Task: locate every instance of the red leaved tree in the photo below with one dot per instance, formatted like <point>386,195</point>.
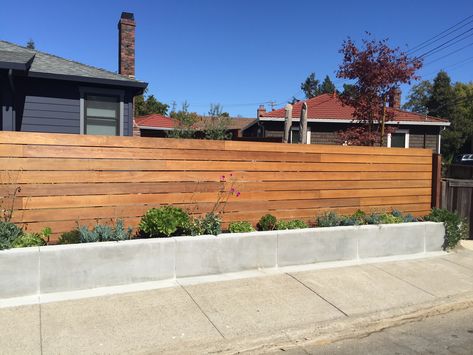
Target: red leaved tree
<point>378,70</point>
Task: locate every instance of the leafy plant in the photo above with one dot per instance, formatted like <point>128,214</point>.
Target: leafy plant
<point>29,240</point>
<point>240,227</point>
<point>328,219</point>
<point>211,224</point>
<point>72,237</point>
<point>456,228</point>
<point>267,223</point>
<point>293,224</point>
<point>165,221</point>
<point>9,232</point>
<point>104,233</point>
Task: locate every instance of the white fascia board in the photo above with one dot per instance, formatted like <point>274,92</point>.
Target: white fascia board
<point>156,128</point>
<point>331,120</point>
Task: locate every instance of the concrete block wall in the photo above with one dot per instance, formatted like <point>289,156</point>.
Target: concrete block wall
<point>60,268</point>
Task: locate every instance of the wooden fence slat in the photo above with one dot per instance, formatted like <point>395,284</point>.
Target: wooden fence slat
<point>173,165</point>
<point>106,141</point>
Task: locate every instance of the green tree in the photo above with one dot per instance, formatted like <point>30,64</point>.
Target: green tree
<point>185,123</point>
<point>217,124</point>
<point>146,105</point>
<point>442,99</point>
<point>327,86</point>
<point>460,130</point>
<point>30,44</point>
<point>310,86</point>
<point>419,97</point>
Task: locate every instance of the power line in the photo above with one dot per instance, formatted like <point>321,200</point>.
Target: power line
<point>442,46</point>
<point>435,38</point>
<point>449,54</point>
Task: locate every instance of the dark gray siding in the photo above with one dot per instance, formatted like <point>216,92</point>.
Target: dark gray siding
<point>51,114</point>
<point>53,106</point>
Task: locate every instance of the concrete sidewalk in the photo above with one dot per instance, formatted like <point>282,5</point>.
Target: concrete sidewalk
<point>251,314</point>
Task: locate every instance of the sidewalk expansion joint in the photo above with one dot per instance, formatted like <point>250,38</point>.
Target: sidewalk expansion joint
<point>313,291</point>
<point>405,281</point>
<point>202,311</point>
<point>457,264</point>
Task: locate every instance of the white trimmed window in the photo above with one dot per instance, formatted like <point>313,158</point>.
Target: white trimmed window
<point>101,112</point>
<point>295,134</point>
<point>399,139</point>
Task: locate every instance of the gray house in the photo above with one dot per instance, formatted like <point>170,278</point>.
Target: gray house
<point>41,92</point>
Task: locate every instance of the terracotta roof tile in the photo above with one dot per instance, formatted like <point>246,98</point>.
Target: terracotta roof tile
<point>330,107</point>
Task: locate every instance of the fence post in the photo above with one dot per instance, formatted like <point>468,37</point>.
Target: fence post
<point>436,180</point>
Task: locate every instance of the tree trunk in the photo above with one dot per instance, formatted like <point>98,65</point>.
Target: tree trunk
<point>287,123</point>
<point>303,125</point>
<point>383,120</point>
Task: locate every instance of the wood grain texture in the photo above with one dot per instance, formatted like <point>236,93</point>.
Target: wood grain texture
<point>71,179</point>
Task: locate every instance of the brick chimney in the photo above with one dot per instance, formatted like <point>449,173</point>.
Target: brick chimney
<point>260,111</point>
<point>394,98</point>
<point>126,45</point>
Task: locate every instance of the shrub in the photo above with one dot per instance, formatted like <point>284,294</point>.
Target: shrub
<point>9,232</point>
<point>72,237</point>
<point>211,224</point>
<point>384,218</point>
<point>29,240</point>
<point>267,223</point>
<point>165,221</point>
<point>293,224</point>
<point>456,228</point>
<point>328,219</point>
<point>104,233</point>
<point>240,227</point>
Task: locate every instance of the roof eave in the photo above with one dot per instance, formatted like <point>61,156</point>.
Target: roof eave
<point>138,85</point>
<point>335,120</point>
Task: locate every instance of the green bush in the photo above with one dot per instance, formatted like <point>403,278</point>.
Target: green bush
<point>293,224</point>
<point>328,219</point>
<point>29,240</point>
<point>72,237</point>
<point>211,224</point>
<point>456,228</point>
<point>240,227</point>
<point>104,233</point>
<point>9,232</point>
<point>165,221</point>
<point>267,223</point>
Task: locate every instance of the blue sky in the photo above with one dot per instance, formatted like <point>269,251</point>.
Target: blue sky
<point>236,53</point>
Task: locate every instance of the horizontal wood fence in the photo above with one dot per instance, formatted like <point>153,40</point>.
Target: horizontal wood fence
<point>70,179</point>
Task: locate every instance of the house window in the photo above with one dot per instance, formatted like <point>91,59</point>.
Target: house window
<point>399,139</point>
<point>102,115</point>
<point>295,134</point>
<point>101,112</point>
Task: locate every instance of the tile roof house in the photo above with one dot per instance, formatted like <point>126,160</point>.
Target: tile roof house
<point>326,115</point>
<point>155,125</point>
<point>41,92</point>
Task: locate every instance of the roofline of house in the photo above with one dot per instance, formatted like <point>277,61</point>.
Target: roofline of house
<point>140,85</point>
<point>155,128</point>
<point>334,120</point>
<point>5,64</point>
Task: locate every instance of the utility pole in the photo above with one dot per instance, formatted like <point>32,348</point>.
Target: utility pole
<point>272,104</point>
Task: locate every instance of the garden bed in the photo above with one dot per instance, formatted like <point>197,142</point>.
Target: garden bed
<point>59,268</point>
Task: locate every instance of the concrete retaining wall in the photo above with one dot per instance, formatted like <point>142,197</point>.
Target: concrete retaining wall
<point>29,271</point>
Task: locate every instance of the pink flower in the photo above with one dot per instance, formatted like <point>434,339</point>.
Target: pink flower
<point>232,190</point>
<point>238,193</point>
<point>222,178</point>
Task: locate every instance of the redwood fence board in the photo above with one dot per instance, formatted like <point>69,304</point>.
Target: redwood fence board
<point>71,179</point>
